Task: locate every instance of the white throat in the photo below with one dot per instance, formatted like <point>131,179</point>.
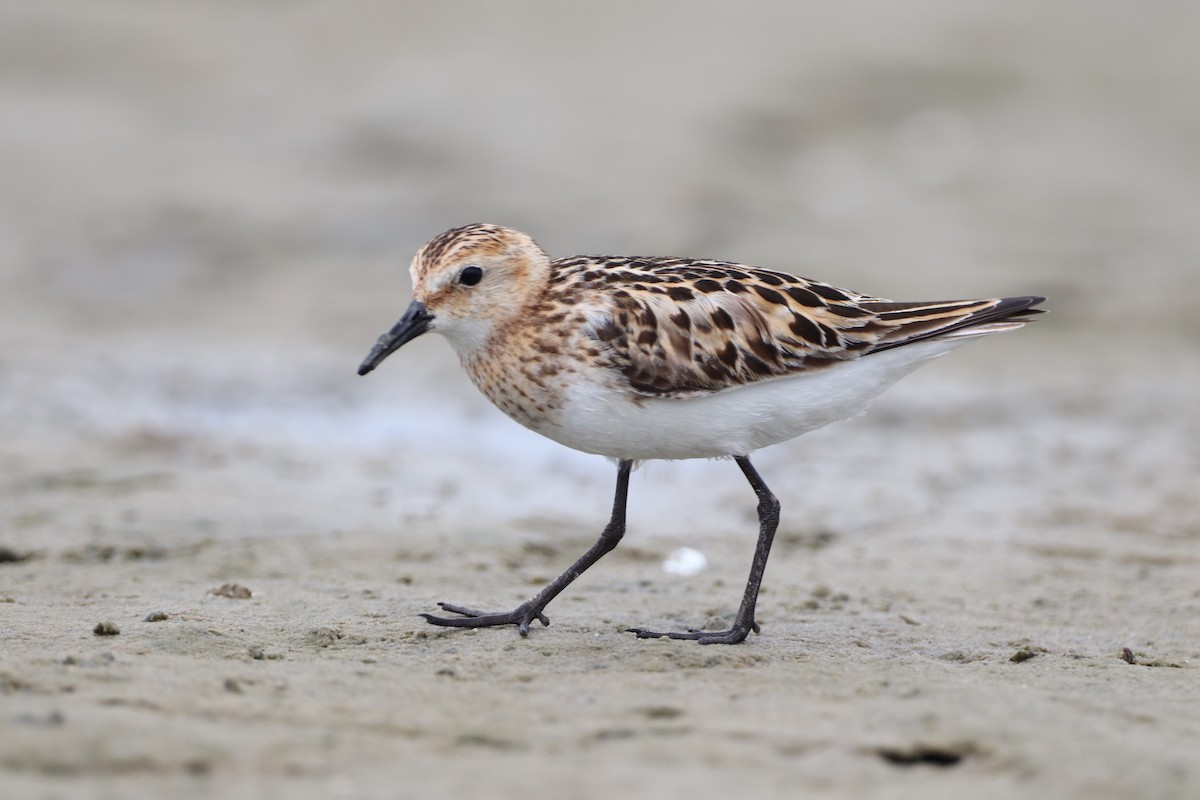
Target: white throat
<point>466,336</point>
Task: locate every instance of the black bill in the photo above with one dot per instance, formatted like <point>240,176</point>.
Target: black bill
<point>414,322</point>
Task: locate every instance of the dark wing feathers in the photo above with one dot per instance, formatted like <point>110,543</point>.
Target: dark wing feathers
<point>682,327</point>
<point>951,316</point>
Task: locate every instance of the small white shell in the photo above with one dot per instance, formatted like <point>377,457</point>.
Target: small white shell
<point>685,561</point>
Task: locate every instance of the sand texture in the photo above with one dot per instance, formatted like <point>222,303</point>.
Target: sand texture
<point>215,538</point>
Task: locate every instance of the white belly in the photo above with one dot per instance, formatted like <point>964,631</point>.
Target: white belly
<point>738,421</point>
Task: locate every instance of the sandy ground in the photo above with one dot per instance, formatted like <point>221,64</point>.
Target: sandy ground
<point>205,215</point>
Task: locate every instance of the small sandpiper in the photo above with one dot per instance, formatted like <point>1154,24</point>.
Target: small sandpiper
<point>643,358</point>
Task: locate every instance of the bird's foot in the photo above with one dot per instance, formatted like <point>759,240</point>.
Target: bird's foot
<point>521,616</point>
<point>733,635</point>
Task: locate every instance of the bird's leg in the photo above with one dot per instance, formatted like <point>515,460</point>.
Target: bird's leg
<point>531,609</point>
<point>743,623</point>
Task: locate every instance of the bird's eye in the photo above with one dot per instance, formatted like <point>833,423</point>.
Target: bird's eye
<point>470,275</point>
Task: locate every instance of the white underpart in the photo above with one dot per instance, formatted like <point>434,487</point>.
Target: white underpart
<point>466,335</point>
<point>598,419</point>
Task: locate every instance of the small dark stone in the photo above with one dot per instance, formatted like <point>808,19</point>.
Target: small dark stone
<point>10,556</point>
<point>233,590</point>
<point>923,755</point>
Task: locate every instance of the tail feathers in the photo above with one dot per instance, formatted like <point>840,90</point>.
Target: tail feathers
<point>915,322</point>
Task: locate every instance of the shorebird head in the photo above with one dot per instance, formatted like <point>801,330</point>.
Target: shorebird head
<point>467,282</point>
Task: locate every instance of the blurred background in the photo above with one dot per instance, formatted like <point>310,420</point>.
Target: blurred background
<point>207,211</point>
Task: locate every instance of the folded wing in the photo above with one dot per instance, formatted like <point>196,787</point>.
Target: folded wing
<point>685,328</point>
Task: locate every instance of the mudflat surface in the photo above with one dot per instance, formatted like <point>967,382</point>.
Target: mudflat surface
<point>205,217</point>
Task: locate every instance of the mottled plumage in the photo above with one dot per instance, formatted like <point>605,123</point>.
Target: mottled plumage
<point>639,358</point>
<point>684,327</point>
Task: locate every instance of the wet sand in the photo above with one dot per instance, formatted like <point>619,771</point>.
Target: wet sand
<point>988,585</point>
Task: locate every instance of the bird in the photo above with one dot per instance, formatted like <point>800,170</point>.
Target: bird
<point>640,358</point>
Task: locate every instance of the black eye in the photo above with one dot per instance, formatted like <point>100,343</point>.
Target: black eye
<point>470,275</point>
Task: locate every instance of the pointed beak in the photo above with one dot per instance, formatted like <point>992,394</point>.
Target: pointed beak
<point>414,322</point>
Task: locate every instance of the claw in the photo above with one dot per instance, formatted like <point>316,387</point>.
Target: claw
<point>732,636</point>
<point>472,618</point>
